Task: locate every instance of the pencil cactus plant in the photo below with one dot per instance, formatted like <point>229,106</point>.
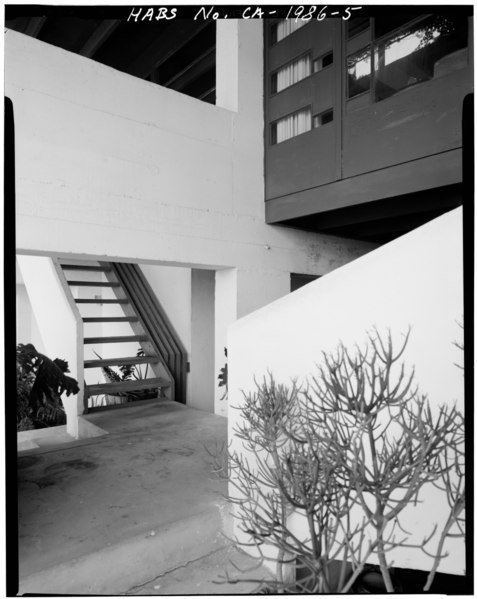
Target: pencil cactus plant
<point>342,456</point>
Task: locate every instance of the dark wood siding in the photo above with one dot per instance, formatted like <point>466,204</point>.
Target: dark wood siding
<point>308,160</point>
<point>416,122</point>
<point>363,155</point>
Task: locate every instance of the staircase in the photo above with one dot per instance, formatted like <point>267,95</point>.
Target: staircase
<point>120,315</point>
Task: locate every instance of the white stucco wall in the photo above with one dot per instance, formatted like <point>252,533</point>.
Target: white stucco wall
<point>172,287</point>
<point>115,168</point>
<point>416,280</point>
<point>58,323</point>
<point>26,326</point>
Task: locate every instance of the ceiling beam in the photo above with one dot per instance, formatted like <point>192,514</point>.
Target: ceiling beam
<point>34,26</point>
<point>206,93</point>
<point>174,38</point>
<point>98,37</point>
<point>193,70</point>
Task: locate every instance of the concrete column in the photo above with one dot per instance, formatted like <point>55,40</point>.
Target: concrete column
<point>239,72</point>
<point>225,314</point>
<point>226,66</point>
<point>201,375</point>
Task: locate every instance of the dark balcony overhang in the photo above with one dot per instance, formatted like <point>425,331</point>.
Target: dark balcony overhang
<point>381,220</point>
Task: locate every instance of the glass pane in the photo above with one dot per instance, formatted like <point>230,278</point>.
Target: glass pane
<point>273,83</point>
<point>286,27</point>
<point>359,72</point>
<point>411,55</point>
<point>327,117</point>
<point>273,33</point>
<point>324,61</point>
<point>323,118</point>
<point>383,25</point>
<point>291,125</point>
<point>356,25</point>
<point>327,59</point>
<point>293,72</point>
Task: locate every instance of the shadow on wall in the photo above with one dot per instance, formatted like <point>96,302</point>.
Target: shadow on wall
<point>415,281</point>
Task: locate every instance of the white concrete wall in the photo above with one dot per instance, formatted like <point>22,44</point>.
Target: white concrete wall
<point>27,330</point>
<point>59,326</point>
<point>172,287</point>
<point>415,280</point>
<point>27,327</point>
<point>111,167</point>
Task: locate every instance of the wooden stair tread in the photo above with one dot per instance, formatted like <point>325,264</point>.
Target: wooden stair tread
<point>110,319</point>
<point>88,267</point>
<point>115,339</point>
<point>92,283</point>
<point>121,361</point>
<point>101,301</point>
<point>125,386</point>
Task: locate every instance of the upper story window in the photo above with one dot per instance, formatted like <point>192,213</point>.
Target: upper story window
<point>284,28</point>
<point>359,72</point>
<point>297,123</point>
<point>356,25</point>
<point>322,62</point>
<point>323,118</point>
<point>403,55</point>
<point>291,125</point>
<point>291,73</point>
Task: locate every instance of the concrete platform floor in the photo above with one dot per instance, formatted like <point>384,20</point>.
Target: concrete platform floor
<point>135,509</point>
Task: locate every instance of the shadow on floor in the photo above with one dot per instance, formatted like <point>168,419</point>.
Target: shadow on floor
<point>109,514</point>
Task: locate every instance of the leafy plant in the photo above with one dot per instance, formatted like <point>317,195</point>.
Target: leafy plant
<point>343,456</point>
<point>126,372</point>
<point>136,371</point>
<point>40,384</point>
<point>223,378</point>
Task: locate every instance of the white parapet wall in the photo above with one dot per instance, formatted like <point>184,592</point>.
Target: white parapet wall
<point>415,281</point>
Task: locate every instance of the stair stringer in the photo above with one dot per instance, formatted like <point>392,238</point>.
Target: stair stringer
<point>82,396</point>
<point>160,368</point>
<point>155,323</point>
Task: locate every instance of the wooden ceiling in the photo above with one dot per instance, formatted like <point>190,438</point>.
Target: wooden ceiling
<point>179,54</point>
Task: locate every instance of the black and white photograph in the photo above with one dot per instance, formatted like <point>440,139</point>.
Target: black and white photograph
<point>242,244</point>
